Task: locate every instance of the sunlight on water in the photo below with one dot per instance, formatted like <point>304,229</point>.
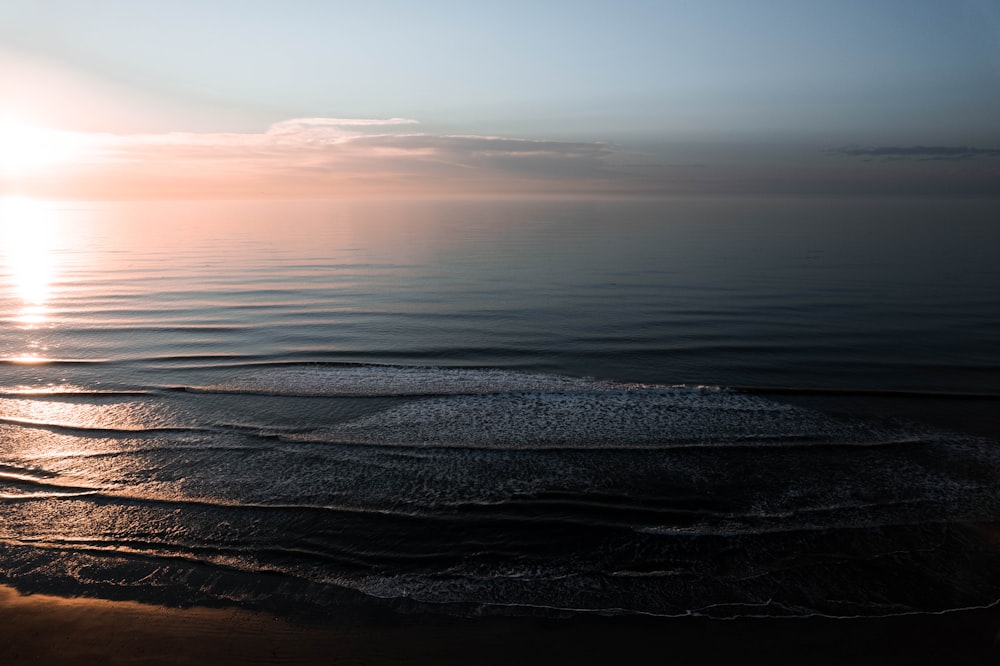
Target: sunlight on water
<point>121,417</point>
<point>28,233</point>
<point>28,359</point>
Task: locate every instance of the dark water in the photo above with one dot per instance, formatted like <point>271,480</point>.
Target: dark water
<point>501,406</point>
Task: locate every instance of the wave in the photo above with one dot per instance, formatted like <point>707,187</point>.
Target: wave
<point>608,417</point>
<point>659,444</point>
<point>677,516</point>
<point>386,381</point>
<point>69,391</point>
<point>499,566</point>
<point>496,491</point>
<point>865,392</point>
<point>342,379</point>
<point>21,484</point>
<point>136,430</point>
<point>44,495</point>
<point>32,360</point>
<point>266,375</point>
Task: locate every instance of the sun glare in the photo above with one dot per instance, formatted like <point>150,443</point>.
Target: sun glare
<point>26,148</point>
<point>26,230</point>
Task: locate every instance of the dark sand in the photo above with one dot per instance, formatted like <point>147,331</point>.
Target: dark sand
<point>40,629</point>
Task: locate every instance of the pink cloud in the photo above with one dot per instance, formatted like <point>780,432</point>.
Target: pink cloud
<point>328,156</point>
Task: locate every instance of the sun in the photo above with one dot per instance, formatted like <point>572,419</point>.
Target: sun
<point>25,148</point>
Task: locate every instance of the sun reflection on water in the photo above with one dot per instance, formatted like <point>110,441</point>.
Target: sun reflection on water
<point>28,233</point>
<point>129,416</point>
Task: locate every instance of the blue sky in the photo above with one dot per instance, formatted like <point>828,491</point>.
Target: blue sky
<point>681,81</point>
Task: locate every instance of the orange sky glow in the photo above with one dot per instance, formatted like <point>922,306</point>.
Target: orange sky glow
<point>354,157</point>
<point>299,157</point>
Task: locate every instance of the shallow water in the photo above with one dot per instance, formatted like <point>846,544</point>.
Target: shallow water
<point>499,406</point>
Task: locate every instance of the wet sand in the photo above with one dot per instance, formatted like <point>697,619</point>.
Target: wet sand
<point>40,629</point>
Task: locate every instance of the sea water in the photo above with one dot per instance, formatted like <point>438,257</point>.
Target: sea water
<point>502,406</point>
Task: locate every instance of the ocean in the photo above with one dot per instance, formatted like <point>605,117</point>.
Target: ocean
<point>715,407</point>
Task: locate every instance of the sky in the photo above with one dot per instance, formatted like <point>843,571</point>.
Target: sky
<point>190,99</point>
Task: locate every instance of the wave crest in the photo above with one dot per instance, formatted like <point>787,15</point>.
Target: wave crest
<point>383,380</point>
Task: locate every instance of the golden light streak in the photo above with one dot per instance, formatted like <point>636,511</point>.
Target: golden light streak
<point>28,360</point>
<point>27,233</point>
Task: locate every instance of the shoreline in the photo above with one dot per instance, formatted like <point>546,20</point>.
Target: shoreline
<point>43,629</point>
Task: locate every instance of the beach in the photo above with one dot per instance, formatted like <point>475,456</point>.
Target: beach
<point>40,629</point>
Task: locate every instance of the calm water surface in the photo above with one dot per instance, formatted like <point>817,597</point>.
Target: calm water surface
<point>822,294</point>
<point>307,404</point>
